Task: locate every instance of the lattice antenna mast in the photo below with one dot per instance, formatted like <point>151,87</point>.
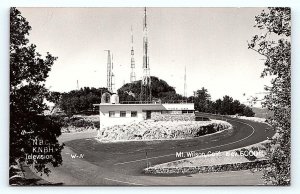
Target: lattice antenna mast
<point>112,75</point>
<point>185,87</point>
<point>146,79</point>
<point>132,64</point>
<point>77,85</point>
<point>109,72</point>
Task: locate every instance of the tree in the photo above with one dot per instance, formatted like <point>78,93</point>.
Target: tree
<point>217,106</point>
<point>202,100</point>
<point>53,97</point>
<point>160,89</point>
<point>81,101</point>
<point>274,44</point>
<point>248,112</point>
<point>28,126</point>
<point>226,106</point>
<point>237,108</point>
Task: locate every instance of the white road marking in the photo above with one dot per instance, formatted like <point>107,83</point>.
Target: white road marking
<point>253,130</point>
<point>123,182</point>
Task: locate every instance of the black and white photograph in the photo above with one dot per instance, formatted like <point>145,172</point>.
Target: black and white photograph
<point>150,96</point>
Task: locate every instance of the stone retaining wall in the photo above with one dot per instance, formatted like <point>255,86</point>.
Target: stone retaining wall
<point>173,117</point>
<point>206,169</point>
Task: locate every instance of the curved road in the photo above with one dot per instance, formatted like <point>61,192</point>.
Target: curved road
<point>122,163</point>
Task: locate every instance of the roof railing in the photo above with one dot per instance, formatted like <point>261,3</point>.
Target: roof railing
<point>156,102</point>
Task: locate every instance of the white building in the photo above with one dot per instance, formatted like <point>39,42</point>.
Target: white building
<point>113,113</point>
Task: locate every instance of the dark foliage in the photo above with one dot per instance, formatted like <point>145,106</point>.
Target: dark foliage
<point>225,106</point>
<point>76,122</point>
<point>53,97</point>
<point>273,43</point>
<point>28,71</point>
<point>160,89</point>
<point>81,101</point>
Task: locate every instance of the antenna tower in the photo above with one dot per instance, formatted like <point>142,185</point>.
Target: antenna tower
<point>146,79</point>
<point>109,72</point>
<point>184,93</point>
<point>132,64</point>
<point>112,74</point>
<point>77,85</point>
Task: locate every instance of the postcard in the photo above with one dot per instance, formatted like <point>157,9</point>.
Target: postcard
<point>150,96</point>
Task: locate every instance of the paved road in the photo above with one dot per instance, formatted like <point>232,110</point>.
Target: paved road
<point>122,163</point>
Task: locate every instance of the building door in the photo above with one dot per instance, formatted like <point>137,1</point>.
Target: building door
<point>148,114</point>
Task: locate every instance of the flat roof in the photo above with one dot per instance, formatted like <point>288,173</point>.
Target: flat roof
<point>155,104</point>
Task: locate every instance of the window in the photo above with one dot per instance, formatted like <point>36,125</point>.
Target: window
<point>122,113</point>
<point>190,111</point>
<point>184,111</point>
<point>133,113</point>
<point>174,112</point>
<point>111,113</point>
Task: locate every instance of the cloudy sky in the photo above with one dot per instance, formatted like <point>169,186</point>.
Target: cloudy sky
<point>210,42</point>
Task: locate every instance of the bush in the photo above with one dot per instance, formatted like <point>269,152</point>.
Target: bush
<point>76,123</point>
<point>248,112</point>
<point>205,130</point>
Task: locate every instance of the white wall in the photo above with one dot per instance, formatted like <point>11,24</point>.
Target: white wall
<point>106,121</point>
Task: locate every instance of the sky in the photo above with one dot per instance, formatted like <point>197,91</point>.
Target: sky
<point>210,42</point>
